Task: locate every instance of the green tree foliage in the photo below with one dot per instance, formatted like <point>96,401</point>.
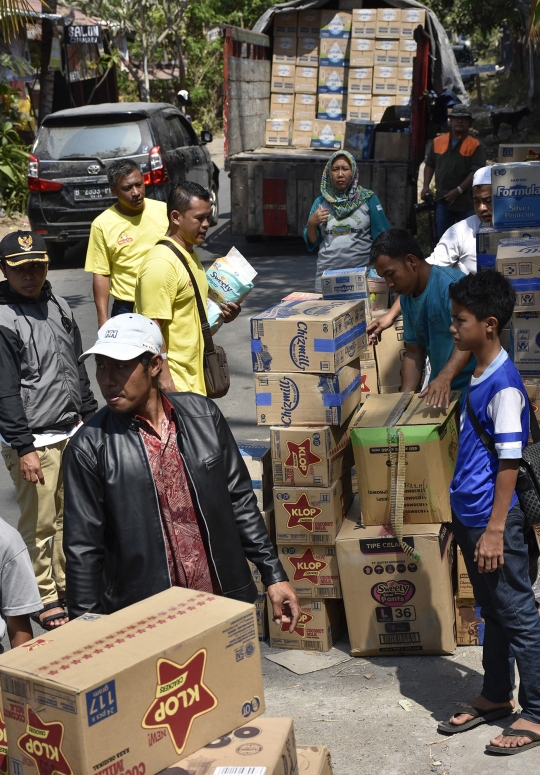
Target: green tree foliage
<point>481,21</point>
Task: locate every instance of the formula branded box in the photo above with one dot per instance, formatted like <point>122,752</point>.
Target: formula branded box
<point>284,49</point>
<point>307,52</point>
<point>267,744</point>
<point>520,152</point>
<point>333,80</point>
<point>311,515</point>
<point>379,104</point>
<point>314,760</point>
<point>360,80</point>
<point>388,23</point>
<point>512,249</point>
<point>516,194</point>
<point>334,52</point>
<point>302,132</point>
<point>368,376</point>
<point>488,238</point>
<point>285,22</point>
<point>307,399</point>
<point>464,586</point>
<point>395,605</point>
<point>327,134</point>
<point>321,624</point>
<point>278,132</point>
<point>469,623</point>
<point>364,22</point>
<point>312,570</point>
<point>283,78</point>
<point>388,426</point>
<point>384,79</point>
<point>335,24</point>
<point>525,341</point>
<point>345,283</point>
<point>407,51</point>
<point>258,459</point>
<point>305,106</point>
<point>282,106</point>
<point>310,457</point>
<point>389,353</point>
<point>362,52</point>
<point>312,336</point>
<point>332,107</point>
<point>309,23</point>
<point>358,107</point>
<point>134,690</point>
<point>306,80</point>
<point>410,19</point>
<point>387,52</point>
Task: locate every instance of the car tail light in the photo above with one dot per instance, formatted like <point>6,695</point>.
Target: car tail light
<point>158,170</point>
<point>35,183</point>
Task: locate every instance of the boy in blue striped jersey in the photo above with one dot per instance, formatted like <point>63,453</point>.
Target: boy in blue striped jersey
<point>487,520</point>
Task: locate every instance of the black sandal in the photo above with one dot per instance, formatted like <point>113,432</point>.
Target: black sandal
<point>511,732</point>
<point>46,622</point>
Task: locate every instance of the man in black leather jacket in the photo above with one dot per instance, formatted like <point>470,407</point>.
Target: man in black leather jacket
<point>121,539</point>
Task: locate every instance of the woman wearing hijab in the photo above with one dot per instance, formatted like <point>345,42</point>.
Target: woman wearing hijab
<point>344,220</point>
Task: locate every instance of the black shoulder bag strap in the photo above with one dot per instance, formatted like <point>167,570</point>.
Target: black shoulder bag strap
<point>209,346</point>
<point>487,440</point>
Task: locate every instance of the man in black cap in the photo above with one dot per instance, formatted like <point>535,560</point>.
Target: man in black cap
<point>44,395</point>
<point>453,158</point>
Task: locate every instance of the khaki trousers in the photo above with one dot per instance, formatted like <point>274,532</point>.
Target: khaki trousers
<point>42,515</point>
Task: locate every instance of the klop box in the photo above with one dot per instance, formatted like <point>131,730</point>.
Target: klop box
<point>312,570</point>
<point>311,515</point>
<point>321,624</point>
<point>515,190</point>
<point>310,457</point>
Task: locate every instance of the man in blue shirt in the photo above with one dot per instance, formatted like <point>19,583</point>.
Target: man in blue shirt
<point>426,309</point>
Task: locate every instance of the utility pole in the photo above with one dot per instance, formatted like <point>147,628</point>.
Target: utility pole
<point>145,88</point>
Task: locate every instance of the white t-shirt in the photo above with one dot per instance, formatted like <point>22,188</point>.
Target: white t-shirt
<point>18,588</point>
<point>50,437</point>
<point>457,246</point>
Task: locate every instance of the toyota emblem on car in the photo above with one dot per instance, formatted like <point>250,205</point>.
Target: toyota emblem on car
<point>93,169</point>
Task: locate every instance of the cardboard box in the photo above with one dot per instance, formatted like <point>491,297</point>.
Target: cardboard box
<point>312,570</point>
<point>368,376</point>
<point>388,23</point>
<point>464,586</point>
<point>392,145</point>
<point>393,604</point>
<point>257,578</point>
<point>261,613</point>
<point>345,283</point>
<point>407,51</point>
<point>307,52</point>
<point>358,109</point>
<point>285,22</point>
<point>282,106</point>
<point>360,80</point>
<point>430,440</point>
<point>364,22</point>
<point>332,107</point>
<point>302,296</point>
<point>335,24</point>
<point>387,52</point>
<point>469,623</point>
<point>321,624</point>
<point>410,19</point>
<point>516,194</point>
<point>359,137</point>
<point>509,249</point>
<point>378,295</point>
<point>283,78</point>
<point>327,134</point>
<point>405,73</point>
<point>268,745</point>
<point>310,457</point>
<point>379,104</point>
<point>309,23</point>
<point>278,132</point>
<point>519,261</point>
<point>302,132</point>
<point>258,459</point>
<point>334,52</point>
<point>269,520</point>
<point>525,341</point>
<point>311,336</point>
<point>306,80</point>
<point>333,80</point>
<point>311,515</point>
<point>389,353</point>
<point>488,238</point>
<point>518,152</point>
<point>404,89</point>
<point>384,79</point>
<point>403,99</point>
<point>134,690</point>
<point>284,49</point>
<point>305,106</point>
<point>314,759</point>
<point>362,52</point>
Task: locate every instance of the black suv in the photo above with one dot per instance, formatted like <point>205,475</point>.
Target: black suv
<point>67,169</point>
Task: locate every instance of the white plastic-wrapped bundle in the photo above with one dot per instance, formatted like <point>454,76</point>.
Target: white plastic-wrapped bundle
<point>229,280</point>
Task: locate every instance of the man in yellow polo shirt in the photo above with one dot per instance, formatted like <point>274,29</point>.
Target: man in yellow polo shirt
<point>120,237</point>
<point>164,291</point>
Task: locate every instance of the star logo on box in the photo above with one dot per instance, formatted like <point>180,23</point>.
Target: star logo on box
<point>307,566</point>
<point>300,628</point>
<point>35,644</point>
<point>302,513</point>
<point>365,388</point>
<point>181,697</point>
<point>301,456</point>
<point>3,746</point>
<point>42,742</point>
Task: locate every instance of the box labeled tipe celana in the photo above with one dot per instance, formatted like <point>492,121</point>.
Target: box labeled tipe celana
<point>137,689</point>
<point>307,399</point>
<point>393,604</point>
<point>311,515</point>
<point>310,457</point>
<point>388,425</point>
<point>321,624</point>
<point>312,570</point>
<point>515,190</point>
<point>310,336</point>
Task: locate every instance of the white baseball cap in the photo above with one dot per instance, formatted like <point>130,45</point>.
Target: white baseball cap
<point>125,337</point>
<point>482,177</point>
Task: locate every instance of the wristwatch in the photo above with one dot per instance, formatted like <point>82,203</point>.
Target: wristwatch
<point>459,189</point>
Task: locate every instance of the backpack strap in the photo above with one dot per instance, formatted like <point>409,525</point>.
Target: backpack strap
<point>535,429</point>
<point>487,440</point>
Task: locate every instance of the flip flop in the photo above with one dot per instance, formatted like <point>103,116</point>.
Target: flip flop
<point>511,732</point>
<point>480,717</point>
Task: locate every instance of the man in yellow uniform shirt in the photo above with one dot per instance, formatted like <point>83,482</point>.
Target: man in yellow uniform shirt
<point>164,291</point>
<point>120,237</point>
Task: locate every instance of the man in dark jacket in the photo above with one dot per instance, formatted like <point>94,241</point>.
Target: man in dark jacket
<point>44,395</point>
<point>157,493</point>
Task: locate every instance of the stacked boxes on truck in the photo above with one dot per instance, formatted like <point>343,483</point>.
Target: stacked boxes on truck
<point>334,57</point>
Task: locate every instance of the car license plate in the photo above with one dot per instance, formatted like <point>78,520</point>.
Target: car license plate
<point>97,192</point>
